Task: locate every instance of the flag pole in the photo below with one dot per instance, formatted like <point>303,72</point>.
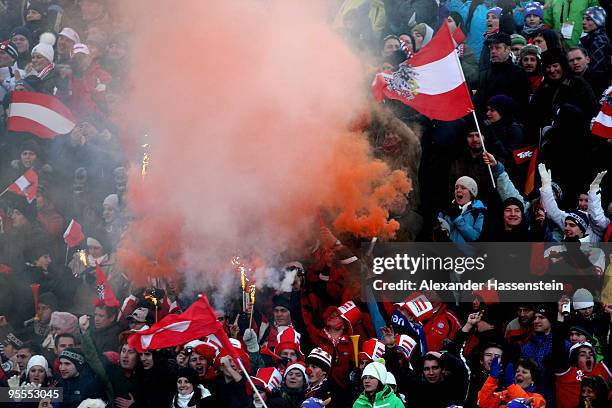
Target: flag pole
<point>251,382</point>
<point>473,111</point>
<point>66,260</point>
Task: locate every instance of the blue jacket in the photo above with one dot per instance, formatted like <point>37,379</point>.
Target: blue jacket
<point>468,225</point>
<point>478,26</point>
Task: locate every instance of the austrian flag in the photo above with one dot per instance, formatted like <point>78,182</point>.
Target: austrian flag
<point>602,123</point>
<point>40,114</point>
<point>431,82</point>
<point>74,234</point>
<point>26,185</point>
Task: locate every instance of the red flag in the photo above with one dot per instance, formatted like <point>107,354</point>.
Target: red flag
<point>531,173</point>
<point>197,321</point>
<point>431,82</point>
<point>74,234</point>
<point>104,292</point>
<point>40,114</point>
<point>26,185</point>
<point>602,123</point>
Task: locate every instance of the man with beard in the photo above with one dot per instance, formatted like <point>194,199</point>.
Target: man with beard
<point>530,60</point>
<point>570,372</point>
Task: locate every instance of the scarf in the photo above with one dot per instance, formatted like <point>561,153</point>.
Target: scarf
<point>183,400</point>
<point>489,33</point>
<point>532,30</point>
<point>46,70</point>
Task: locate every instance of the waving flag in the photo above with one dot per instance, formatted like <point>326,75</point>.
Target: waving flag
<point>602,123</point>
<point>197,321</point>
<point>431,82</point>
<point>74,234</point>
<point>40,114</point>
<point>26,185</point>
<point>104,292</point>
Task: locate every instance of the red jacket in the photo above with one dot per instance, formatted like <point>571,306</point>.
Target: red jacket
<point>86,93</point>
<point>343,360</point>
<point>488,398</point>
<point>442,325</point>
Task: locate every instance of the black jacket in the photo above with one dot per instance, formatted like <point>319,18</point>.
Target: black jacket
<point>80,388</point>
<point>502,78</point>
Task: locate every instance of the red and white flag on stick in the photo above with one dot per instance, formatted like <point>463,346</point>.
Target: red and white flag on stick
<point>74,234</point>
<point>104,293</point>
<point>602,123</point>
<point>26,185</point>
<point>40,114</point>
<point>431,82</point>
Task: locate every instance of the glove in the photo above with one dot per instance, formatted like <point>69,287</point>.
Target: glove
<point>250,339</point>
<point>84,323</point>
<point>444,226</point>
<point>13,382</point>
<point>594,187</point>
<point>545,175</point>
<point>495,368</point>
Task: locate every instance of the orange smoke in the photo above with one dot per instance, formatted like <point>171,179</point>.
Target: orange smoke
<point>248,106</point>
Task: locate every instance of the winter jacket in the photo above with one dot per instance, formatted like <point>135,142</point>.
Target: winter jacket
<point>502,78</point>
<point>489,398</point>
<point>598,44</point>
<point>77,389</point>
<point>442,325</point>
<point>571,11</point>
<point>469,64</point>
<point>474,167</point>
<point>385,398</point>
<point>467,226</point>
<point>88,91</point>
<point>478,25</point>
<point>107,339</point>
<point>598,222</point>
<point>342,354</point>
<point>201,398</point>
<point>287,399</point>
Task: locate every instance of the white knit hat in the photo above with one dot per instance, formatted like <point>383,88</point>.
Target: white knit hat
<point>582,299</point>
<point>45,50</point>
<point>112,200</point>
<point>390,379</point>
<point>37,360</point>
<point>376,370</point>
<point>299,366</point>
<point>468,183</point>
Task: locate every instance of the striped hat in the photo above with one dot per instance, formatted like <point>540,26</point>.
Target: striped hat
<point>320,357</point>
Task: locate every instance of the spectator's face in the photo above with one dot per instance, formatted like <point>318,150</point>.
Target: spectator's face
<point>363,364</point>
<point>44,312</point>
<point>554,71</point>
<point>418,39</point>
<point>529,63</point>
<point>586,359</point>
<point>183,386</point>
<point>390,46</point>
<point>95,251</point>
<point>586,312</point>
<point>473,140</point>
<point>39,62</point>
<point>576,337</point>
<point>63,343</point>
<point>583,202</point>
<point>146,359</point>
<point>516,49</point>
<point>6,60</point>
<point>294,379</point>
<point>588,394</point>
<point>432,371</point>
<point>64,45</point>
<point>407,42</point>
<point>33,15</point>
<point>541,324</point>
<point>588,24</point>
<point>540,42</point>
<point>289,354</point>
<point>22,357</point>
<point>522,377</point>
<point>91,9</point>
<point>578,62</point>
<point>198,363</point>
<point>37,375</point>
<point>451,24</point>
<point>18,219</point>
<point>43,262</point>
<point>182,359</point>
<point>316,374</point>
<point>334,321</point>
<point>101,318</point>
<point>512,216</point>
<point>282,316</point>
<point>493,115</point>
<point>370,384</point>
<point>525,316</point>
<point>21,42</point>
<point>462,195</point>
<point>109,213</point>
<point>28,158</point>
<point>571,230</point>
<point>128,358</point>
<point>9,350</point>
<point>499,52</point>
<point>489,354</point>
<point>492,22</point>
<point>67,369</point>
<point>532,20</point>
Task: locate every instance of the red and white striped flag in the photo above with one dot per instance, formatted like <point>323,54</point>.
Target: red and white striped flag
<point>431,82</point>
<point>602,123</point>
<point>40,114</point>
<point>74,234</point>
<point>26,185</point>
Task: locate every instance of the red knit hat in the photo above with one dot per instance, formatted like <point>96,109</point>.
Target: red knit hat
<point>371,350</point>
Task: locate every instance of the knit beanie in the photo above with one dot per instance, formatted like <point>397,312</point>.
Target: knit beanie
<point>37,360</point>
<point>546,311</point>
<point>580,218</point>
<point>312,402</point>
<point>517,39</point>
<point>582,330</point>
<point>503,104</point>
<point>495,11</point>
<point>553,56</point>
<point>535,9</point>
<point>25,31</point>
<point>597,14</point>
<point>582,299</point>
<point>10,49</point>
<point>298,365</point>
<point>530,49</point>
<point>74,356</point>
<point>45,50</point>
<point>514,201</point>
<point>376,370</point>
<point>468,183</point>
<point>49,299</point>
<point>190,374</point>
<point>282,301</point>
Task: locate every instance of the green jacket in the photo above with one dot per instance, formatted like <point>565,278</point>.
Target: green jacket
<point>561,11</point>
<point>385,398</point>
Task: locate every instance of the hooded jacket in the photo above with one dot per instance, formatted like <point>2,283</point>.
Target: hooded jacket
<point>467,226</point>
<point>489,398</point>
<point>567,11</point>
<point>384,398</point>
